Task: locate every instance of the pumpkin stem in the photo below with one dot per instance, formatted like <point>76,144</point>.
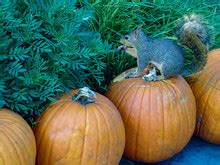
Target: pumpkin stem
<point>84,96</point>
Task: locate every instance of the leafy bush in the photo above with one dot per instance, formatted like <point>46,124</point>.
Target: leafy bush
<point>51,46</point>
<point>158,18</point>
<point>46,48</point>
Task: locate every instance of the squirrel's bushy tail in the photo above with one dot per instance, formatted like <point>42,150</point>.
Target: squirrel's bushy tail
<point>195,34</point>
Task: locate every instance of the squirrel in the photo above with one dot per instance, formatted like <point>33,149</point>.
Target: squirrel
<point>165,54</point>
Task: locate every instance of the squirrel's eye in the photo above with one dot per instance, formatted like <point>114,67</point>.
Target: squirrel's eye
<point>126,37</point>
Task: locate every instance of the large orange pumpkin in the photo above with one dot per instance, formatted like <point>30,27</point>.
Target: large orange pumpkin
<point>17,141</point>
<point>159,117</point>
<point>80,132</point>
<point>206,88</point>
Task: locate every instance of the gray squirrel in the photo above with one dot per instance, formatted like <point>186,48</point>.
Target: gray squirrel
<point>166,55</point>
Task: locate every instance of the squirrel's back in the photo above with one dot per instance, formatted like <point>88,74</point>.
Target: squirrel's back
<point>169,56</point>
<point>166,49</point>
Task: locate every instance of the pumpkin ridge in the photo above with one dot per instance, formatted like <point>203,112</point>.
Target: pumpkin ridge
<point>208,81</point>
<point>173,116</point>
<point>174,90</point>
<point>40,134</point>
<point>116,131</point>
<point>130,109</point>
<point>11,139</point>
<point>170,100</point>
<point>19,128</point>
<point>24,131</point>
<point>18,136</point>
<point>1,158</point>
<point>73,128</point>
<point>26,157</point>
<point>207,112</point>
<point>45,130</point>
<point>189,129</point>
<point>106,106</point>
<point>204,111</point>
<point>149,121</point>
<point>183,86</point>
<point>129,114</point>
<point>85,130</point>
<point>97,113</point>
<point>167,86</point>
<point>98,128</point>
<point>212,82</point>
<point>105,102</point>
<point>6,137</point>
<point>212,134</point>
<point>107,126</point>
<point>212,65</point>
<point>16,148</point>
<point>179,109</point>
<point>177,92</point>
<point>138,125</point>
<point>204,87</point>
<point>163,119</point>
<point>9,120</point>
<point>123,93</point>
<point>67,151</point>
<point>132,84</point>
<point>108,110</point>
<point>213,85</point>
<point>186,113</point>
<point>51,145</point>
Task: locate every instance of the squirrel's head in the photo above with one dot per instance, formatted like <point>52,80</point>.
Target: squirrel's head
<point>130,41</point>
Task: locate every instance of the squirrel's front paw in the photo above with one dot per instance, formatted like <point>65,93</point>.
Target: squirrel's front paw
<point>151,76</point>
<point>121,48</point>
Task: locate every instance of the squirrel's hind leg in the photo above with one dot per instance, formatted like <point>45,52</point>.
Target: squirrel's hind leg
<point>155,74</point>
<point>152,76</point>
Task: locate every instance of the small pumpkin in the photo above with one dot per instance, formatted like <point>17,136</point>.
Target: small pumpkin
<point>206,88</point>
<point>17,141</point>
<point>159,117</point>
<point>80,129</point>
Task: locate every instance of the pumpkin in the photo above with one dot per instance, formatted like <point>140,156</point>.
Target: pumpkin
<point>17,141</point>
<point>80,129</point>
<point>206,88</point>
<point>159,117</point>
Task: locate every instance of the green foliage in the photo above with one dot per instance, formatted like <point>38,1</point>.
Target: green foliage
<point>46,48</point>
<point>158,18</point>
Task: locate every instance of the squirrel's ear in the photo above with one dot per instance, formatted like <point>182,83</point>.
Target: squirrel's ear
<point>137,31</point>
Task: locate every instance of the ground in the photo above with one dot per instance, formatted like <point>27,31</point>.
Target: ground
<point>197,152</point>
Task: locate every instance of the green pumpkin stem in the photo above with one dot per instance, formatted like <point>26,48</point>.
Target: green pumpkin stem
<point>84,96</point>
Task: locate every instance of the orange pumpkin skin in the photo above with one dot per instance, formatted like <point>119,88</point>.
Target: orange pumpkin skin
<point>159,117</point>
<point>206,88</point>
<point>17,141</point>
<point>71,133</point>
